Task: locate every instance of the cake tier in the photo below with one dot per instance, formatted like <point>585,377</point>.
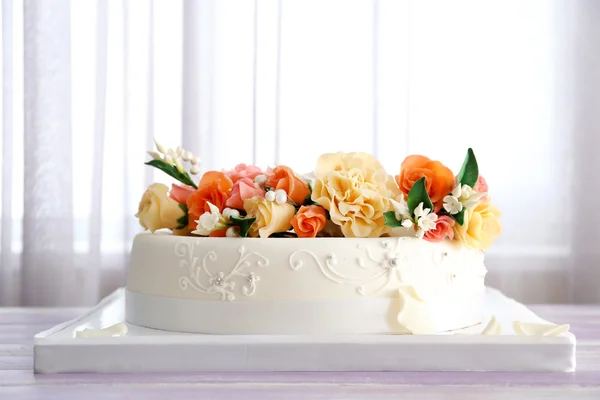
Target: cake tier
<point>303,286</point>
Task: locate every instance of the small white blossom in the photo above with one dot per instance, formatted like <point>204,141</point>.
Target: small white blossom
<point>179,165</point>
<point>155,155</point>
<point>260,179</point>
<point>231,232</point>
<point>407,223</point>
<point>474,199</point>
<point>457,191</point>
<point>400,209</point>
<point>270,195</point>
<point>209,221</point>
<point>168,159</point>
<point>426,220</point>
<point>452,204</point>
<point>466,192</point>
<point>194,169</point>
<point>462,196</point>
<point>187,155</point>
<point>179,151</point>
<point>161,149</point>
<point>280,196</point>
<point>194,160</point>
<point>230,212</point>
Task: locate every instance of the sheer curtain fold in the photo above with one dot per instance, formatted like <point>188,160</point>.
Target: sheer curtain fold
<point>86,85</point>
<point>48,223</point>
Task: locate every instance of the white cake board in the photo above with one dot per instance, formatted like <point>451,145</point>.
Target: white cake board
<point>58,350</point>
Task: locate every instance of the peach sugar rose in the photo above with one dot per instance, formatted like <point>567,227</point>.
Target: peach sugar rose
<point>481,226</point>
<point>439,179</point>
<point>157,210</point>
<point>214,187</point>
<point>309,220</point>
<point>283,177</point>
<point>356,190</point>
<point>270,216</point>
<point>243,189</point>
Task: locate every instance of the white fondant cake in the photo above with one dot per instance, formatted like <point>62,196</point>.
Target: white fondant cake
<point>347,249</point>
<point>303,286</point>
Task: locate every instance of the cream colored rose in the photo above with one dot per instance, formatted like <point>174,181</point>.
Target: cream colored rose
<point>481,226</point>
<point>157,210</point>
<point>270,216</point>
<point>356,190</point>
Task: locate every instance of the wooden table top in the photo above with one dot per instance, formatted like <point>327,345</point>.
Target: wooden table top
<point>17,381</point>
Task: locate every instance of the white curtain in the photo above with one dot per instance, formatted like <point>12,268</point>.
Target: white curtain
<point>87,84</point>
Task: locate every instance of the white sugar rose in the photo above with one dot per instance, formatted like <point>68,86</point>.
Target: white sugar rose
<point>271,217</point>
<point>157,210</point>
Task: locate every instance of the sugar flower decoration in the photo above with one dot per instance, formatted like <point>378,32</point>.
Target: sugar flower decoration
<point>176,157</point>
<point>401,212</point>
<point>462,196</point>
<point>210,221</point>
<point>425,220</point>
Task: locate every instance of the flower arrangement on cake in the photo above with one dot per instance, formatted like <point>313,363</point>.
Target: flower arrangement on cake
<point>347,195</point>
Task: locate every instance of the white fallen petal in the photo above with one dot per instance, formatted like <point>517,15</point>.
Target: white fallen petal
<point>119,329</point>
<point>535,329</point>
<point>493,327</point>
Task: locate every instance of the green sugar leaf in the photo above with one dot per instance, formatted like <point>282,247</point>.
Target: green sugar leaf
<point>183,221</point>
<point>173,172</point>
<point>418,194</point>
<point>243,223</point>
<point>390,220</point>
<point>469,172</point>
<point>460,217</point>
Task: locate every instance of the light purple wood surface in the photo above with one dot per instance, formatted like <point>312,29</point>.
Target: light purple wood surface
<point>17,381</point>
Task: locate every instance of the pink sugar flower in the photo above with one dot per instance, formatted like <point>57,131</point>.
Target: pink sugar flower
<point>443,228</point>
<point>243,171</point>
<point>481,185</point>
<point>243,189</point>
<point>180,193</point>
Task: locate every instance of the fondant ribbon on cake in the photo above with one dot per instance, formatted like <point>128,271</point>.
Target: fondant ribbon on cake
<point>348,316</point>
<point>419,315</point>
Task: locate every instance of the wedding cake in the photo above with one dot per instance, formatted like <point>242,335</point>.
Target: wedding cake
<point>347,249</point>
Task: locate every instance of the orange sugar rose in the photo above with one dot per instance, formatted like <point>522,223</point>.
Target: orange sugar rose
<point>283,177</point>
<point>439,180</point>
<point>214,187</point>
<point>309,220</point>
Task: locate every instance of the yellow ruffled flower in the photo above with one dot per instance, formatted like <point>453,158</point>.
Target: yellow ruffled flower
<point>157,210</point>
<point>356,190</point>
<point>270,216</point>
<point>481,227</point>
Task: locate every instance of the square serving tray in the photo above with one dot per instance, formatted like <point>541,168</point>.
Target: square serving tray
<point>61,349</point>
